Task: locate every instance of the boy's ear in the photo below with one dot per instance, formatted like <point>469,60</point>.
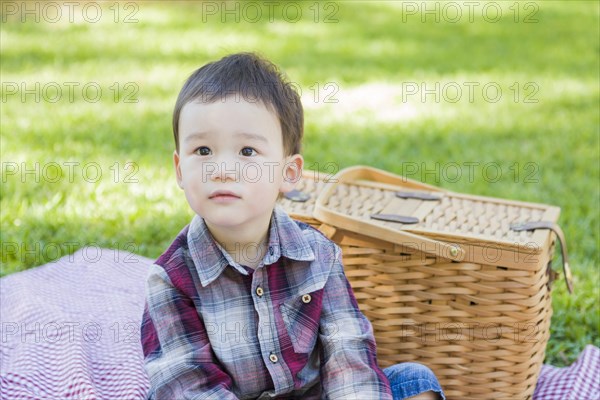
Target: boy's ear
<point>292,172</point>
<point>177,169</point>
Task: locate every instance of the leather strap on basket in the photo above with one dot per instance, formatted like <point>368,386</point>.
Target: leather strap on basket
<point>296,195</point>
<point>530,226</point>
<point>418,195</point>
<point>403,219</point>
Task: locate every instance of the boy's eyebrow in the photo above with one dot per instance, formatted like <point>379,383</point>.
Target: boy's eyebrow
<point>252,136</point>
<point>243,135</point>
<point>195,135</point>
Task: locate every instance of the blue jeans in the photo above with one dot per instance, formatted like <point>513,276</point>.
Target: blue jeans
<point>409,379</point>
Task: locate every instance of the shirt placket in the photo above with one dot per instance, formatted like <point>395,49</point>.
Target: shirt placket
<point>267,333</point>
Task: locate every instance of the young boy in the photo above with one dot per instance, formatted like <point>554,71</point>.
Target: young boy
<point>247,303</point>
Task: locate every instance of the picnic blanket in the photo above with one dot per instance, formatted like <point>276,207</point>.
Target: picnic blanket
<point>70,330</point>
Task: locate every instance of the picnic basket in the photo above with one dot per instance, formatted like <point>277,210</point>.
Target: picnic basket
<point>460,283</point>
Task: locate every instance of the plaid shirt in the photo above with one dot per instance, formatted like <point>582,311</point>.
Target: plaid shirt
<point>214,329</point>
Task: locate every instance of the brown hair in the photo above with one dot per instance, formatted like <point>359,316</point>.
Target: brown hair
<point>255,79</point>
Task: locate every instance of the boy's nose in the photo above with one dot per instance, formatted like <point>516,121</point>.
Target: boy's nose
<point>227,171</point>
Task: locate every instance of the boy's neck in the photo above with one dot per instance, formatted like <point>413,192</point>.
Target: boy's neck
<point>245,247</point>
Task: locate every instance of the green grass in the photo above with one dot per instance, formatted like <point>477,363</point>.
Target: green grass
<point>547,149</point>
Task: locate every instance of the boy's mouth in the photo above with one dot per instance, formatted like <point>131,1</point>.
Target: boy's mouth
<point>223,194</point>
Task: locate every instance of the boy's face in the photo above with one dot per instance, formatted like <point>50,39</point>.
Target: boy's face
<point>231,163</point>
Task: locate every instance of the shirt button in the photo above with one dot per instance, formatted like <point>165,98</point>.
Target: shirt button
<point>259,291</point>
<point>273,357</point>
<point>306,298</point>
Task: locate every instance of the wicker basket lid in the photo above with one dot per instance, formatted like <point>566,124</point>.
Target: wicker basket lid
<point>361,200</point>
<point>300,202</point>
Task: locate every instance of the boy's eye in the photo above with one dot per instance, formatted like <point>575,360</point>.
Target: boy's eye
<point>202,151</point>
<point>248,151</point>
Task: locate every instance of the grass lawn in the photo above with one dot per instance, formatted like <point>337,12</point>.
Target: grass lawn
<point>500,100</point>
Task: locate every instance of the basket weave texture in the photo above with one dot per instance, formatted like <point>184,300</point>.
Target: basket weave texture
<point>458,291</point>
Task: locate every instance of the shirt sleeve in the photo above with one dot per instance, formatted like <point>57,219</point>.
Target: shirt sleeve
<point>177,353</point>
<point>349,367</point>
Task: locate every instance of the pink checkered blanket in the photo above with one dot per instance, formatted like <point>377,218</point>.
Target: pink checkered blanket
<point>70,330</point>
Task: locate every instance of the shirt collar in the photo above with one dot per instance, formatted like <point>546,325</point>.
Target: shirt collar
<point>210,259</point>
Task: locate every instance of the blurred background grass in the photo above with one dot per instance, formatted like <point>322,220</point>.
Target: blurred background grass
<point>356,64</point>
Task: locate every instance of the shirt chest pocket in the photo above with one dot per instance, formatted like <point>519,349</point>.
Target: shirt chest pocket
<point>301,315</point>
